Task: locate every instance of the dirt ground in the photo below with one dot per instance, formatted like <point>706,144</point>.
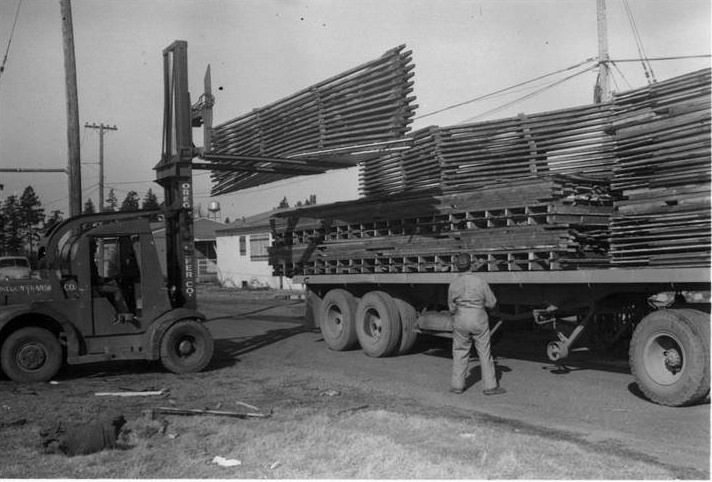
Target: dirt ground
<point>265,357</point>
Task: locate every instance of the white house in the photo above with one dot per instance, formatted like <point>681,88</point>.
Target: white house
<point>205,255</point>
<point>243,256</point>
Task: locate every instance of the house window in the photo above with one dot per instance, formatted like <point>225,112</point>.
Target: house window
<point>259,244</point>
<point>243,245</point>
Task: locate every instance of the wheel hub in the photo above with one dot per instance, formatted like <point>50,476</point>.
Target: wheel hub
<point>186,347</point>
<point>664,358</point>
<point>673,360</point>
<point>31,357</point>
<point>336,319</point>
<point>374,325</point>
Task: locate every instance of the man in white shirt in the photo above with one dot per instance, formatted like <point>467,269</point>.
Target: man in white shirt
<point>469,298</point>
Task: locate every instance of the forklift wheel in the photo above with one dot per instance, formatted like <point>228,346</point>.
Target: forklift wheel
<point>186,347</point>
<point>31,355</point>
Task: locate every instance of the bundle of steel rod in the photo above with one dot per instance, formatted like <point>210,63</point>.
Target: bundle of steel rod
<point>566,141</point>
<point>362,106</point>
<point>663,145</point>
<point>534,223</point>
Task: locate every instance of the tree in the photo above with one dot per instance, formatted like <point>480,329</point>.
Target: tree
<point>32,217</point>
<point>131,202</point>
<point>89,207</point>
<point>150,201</point>
<point>12,226</point>
<point>56,217</point>
<point>283,203</point>
<point>112,202</point>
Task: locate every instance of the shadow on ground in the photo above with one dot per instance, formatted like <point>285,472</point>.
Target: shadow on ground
<point>228,350</point>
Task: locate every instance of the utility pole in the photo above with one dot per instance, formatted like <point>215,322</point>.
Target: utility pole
<point>70,73</point>
<point>603,85</point>
<point>101,128</point>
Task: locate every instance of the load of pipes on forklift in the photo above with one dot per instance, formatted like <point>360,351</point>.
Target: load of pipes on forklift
<point>337,122</point>
<point>625,183</point>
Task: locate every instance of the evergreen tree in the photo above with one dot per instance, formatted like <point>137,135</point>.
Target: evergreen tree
<point>2,230</point>
<point>33,216</point>
<point>12,226</point>
<point>150,201</point>
<point>89,207</point>
<point>131,202</point>
<point>112,203</point>
<point>54,218</point>
<point>283,203</point>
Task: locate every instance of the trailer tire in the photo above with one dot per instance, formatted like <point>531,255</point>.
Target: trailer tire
<point>31,355</point>
<point>669,357</point>
<point>378,324</point>
<point>186,347</point>
<point>408,318</point>
<point>336,320</point>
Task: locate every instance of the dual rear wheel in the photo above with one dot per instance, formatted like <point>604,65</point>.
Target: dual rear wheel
<point>381,324</point>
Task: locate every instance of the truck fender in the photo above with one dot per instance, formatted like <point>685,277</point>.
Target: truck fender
<point>12,313</point>
<point>165,321</point>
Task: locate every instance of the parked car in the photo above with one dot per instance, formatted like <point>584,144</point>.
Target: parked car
<point>14,267</point>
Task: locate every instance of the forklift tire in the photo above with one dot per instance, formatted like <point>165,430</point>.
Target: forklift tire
<point>378,324</point>
<point>336,320</point>
<point>669,357</point>
<point>186,347</point>
<point>31,355</point>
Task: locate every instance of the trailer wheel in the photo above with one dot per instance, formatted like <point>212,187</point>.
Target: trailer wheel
<point>31,355</point>
<point>378,324</point>
<point>186,347</point>
<point>669,357</point>
<point>336,320</point>
<point>408,317</point>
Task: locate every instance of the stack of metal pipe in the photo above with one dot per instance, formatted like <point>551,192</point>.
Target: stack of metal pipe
<point>364,106</point>
<point>663,146</point>
<point>569,141</point>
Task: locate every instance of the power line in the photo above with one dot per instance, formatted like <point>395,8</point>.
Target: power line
<point>676,57</point>
<point>486,96</point>
<point>615,66</point>
<point>528,96</point>
<point>9,41</point>
<point>647,68</point>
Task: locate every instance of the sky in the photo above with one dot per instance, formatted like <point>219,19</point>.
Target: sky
<point>263,50</point>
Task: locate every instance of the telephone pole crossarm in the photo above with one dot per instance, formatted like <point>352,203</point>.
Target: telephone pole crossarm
<point>102,128</point>
<point>29,169</point>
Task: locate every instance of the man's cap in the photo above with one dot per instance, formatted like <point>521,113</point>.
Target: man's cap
<point>462,262</point>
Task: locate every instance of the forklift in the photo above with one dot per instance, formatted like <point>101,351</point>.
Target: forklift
<point>100,294</point>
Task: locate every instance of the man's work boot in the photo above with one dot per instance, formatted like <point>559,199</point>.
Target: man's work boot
<point>494,391</point>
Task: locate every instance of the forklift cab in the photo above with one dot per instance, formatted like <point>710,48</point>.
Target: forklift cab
<point>120,284</point>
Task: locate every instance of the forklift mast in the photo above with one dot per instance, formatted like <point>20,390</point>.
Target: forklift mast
<point>174,174</point>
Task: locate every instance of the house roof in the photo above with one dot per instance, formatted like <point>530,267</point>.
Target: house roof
<point>258,223</point>
<point>203,229</point>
